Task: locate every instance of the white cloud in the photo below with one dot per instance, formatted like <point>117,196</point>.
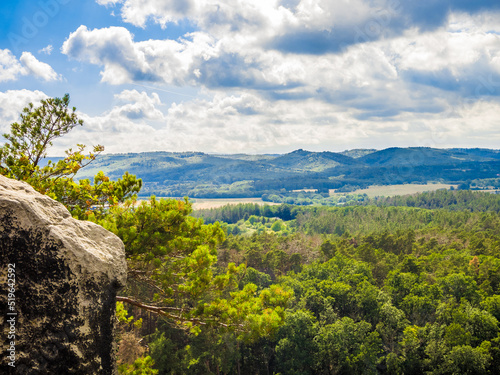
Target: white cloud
<point>126,61</point>
<point>12,103</point>
<point>10,68</point>
<point>231,51</point>
<point>444,49</point>
<point>249,122</point>
<point>290,74</point>
<point>129,126</point>
<point>37,68</point>
<point>140,105</point>
<point>113,48</point>
<point>47,50</point>
<point>134,109</point>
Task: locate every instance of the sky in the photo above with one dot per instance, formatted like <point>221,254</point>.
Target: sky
<point>257,76</point>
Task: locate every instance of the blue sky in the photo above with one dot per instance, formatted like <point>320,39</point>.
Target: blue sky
<point>258,76</point>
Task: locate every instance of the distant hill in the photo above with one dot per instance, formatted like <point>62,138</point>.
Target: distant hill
<point>197,174</point>
<point>481,152</point>
<point>424,156</point>
<point>307,161</point>
<point>358,152</point>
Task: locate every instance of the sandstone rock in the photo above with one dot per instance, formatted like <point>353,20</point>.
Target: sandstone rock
<point>67,273</point>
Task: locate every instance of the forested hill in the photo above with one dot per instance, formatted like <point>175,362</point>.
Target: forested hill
<point>197,174</point>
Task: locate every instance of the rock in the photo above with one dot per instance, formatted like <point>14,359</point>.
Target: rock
<point>65,274</point>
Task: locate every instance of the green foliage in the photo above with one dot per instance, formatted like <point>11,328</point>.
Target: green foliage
<point>171,255</point>
<point>457,200</point>
<point>166,354</point>
<point>122,315</point>
<point>277,226</point>
<point>28,141</point>
<point>258,225</point>
<point>492,305</point>
<point>382,290</point>
<point>347,347</point>
<point>232,214</point>
<point>252,276</point>
<point>295,344</point>
<point>268,252</point>
<point>305,198</point>
<point>172,258</point>
<point>26,148</point>
<point>467,360</point>
<point>141,366</point>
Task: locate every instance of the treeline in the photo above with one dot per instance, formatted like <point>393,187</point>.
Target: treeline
<point>231,214</point>
<point>308,198</point>
<point>327,217</point>
<point>365,219</point>
<point>360,219</point>
<point>456,200</point>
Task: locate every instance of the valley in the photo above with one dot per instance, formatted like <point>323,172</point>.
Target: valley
<point>209,176</point>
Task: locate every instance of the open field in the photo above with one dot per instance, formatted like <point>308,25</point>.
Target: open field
<point>200,204</point>
<point>392,190</point>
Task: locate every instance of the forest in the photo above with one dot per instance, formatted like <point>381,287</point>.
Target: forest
<point>376,289</point>
<point>399,285</point>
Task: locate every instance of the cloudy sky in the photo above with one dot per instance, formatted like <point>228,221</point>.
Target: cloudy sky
<point>258,76</point>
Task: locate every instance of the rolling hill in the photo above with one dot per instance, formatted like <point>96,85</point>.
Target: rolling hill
<point>199,174</point>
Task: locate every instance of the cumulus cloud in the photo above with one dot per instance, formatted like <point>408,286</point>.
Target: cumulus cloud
<point>47,50</point>
<point>311,73</point>
<point>232,123</point>
<point>195,59</point>
<point>305,26</point>
<point>12,103</point>
<point>37,68</point>
<point>133,107</point>
<point>130,126</point>
<point>10,68</point>
<point>466,63</point>
<point>299,49</point>
<point>123,60</point>
<point>139,105</point>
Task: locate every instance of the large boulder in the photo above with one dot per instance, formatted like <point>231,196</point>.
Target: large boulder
<point>59,278</point>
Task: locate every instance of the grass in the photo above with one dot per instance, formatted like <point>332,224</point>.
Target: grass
<point>200,204</point>
<point>392,190</point>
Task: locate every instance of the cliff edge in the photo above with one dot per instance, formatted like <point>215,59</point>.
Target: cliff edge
<point>59,278</point>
